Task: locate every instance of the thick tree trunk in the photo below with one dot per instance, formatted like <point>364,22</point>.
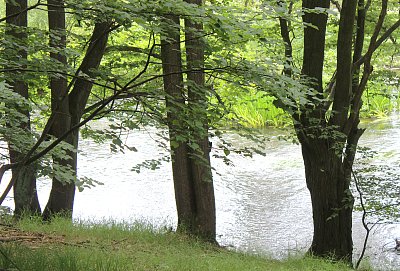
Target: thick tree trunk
<point>25,194</point>
<point>200,158</point>
<point>326,172</point>
<point>175,103</point>
<point>62,195</point>
<point>331,201</point>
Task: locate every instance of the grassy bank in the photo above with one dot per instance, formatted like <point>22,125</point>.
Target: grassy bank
<point>31,245</point>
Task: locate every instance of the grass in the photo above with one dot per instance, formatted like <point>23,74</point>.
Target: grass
<point>379,106</point>
<point>259,111</point>
<point>64,246</point>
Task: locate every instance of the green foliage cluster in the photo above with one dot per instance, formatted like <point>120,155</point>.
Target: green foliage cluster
<point>382,97</point>
<point>11,118</point>
<point>378,182</point>
<point>132,63</point>
<point>257,111</point>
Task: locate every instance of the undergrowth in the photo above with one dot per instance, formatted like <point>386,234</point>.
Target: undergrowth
<point>110,246</point>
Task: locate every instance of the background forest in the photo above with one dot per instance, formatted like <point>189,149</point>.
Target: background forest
<point>197,71</point>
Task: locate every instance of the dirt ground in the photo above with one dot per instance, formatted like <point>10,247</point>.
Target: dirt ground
<point>10,234</point>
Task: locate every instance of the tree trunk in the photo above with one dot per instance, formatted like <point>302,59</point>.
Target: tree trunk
<point>200,158</point>
<point>62,195</point>
<point>314,41</point>
<point>326,172</point>
<point>285,34</point>
<point>194,192</point>
<point>25,194</point>
<point>175,103</point>
<point>331,201</point>
<point>343,92</point>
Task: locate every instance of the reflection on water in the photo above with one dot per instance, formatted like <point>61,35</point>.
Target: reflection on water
<point>263,205</point>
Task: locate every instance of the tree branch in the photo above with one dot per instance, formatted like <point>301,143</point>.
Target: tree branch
<point>127,48</point>
<point>378,42</point>
<point>284,27</point>
<point>22,11</point>
<point>337,5</point>
<point>363,219</point>
<point>366,60</point>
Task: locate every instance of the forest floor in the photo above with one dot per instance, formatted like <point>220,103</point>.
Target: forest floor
<point>30,245</point>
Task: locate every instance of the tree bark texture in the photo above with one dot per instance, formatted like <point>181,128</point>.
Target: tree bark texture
<point>285,34</point>
<point>194,192</point>
<point>175,103</point>
<point>62,194</point>
<point>25,194</point>
<point>62,203</point>
<point>331,200</point>
<point>201,168</point>
<point>326,169</point>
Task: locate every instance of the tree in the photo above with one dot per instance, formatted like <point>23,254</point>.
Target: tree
<point>69,99</point>
<point>62,193</point>
<point>200,149</point>
<point>187,123</point>
<point>60,109</point>
<point>328,127</point>
<point>25,195</point>
<point>325,165</point>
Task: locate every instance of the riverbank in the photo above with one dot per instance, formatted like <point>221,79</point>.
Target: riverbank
<point>31,245</point>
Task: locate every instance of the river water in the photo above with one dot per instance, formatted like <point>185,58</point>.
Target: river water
<point>263,205</point>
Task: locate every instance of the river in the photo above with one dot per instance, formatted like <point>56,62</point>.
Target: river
<point>263,205</point>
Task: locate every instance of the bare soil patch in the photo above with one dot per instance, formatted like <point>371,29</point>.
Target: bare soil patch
<point>11,234</point>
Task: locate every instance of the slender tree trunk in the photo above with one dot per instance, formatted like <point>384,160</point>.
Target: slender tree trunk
<point>62,195</point>
<point>200,158</point>
<point>25,194</point>
<point>80,93</point>
<point>314,41</point>
<point>359,44</point>
<point>285,34</point>
<point>63,203</point>
<point>343,92</point>
<point>175,103</point>
<point>194,192</point>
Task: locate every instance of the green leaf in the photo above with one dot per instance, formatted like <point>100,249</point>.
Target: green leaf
<point>227,152</point>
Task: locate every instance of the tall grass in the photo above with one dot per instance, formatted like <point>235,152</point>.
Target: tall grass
<point>255,109</point>
<point>379,105</point>
<point>112,247</point>
<point>258,111</point>
<point>380,100</point>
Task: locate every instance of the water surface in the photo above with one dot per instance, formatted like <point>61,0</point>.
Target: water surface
<point>263,205</point>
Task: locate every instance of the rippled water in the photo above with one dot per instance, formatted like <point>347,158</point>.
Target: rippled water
<point>263,205</point>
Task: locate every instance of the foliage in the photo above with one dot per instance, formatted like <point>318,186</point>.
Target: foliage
<point>258,111</point>
<point>378,182</point>
<point>245,86</point>
<point>11,118</point>
<point>381,99</point>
